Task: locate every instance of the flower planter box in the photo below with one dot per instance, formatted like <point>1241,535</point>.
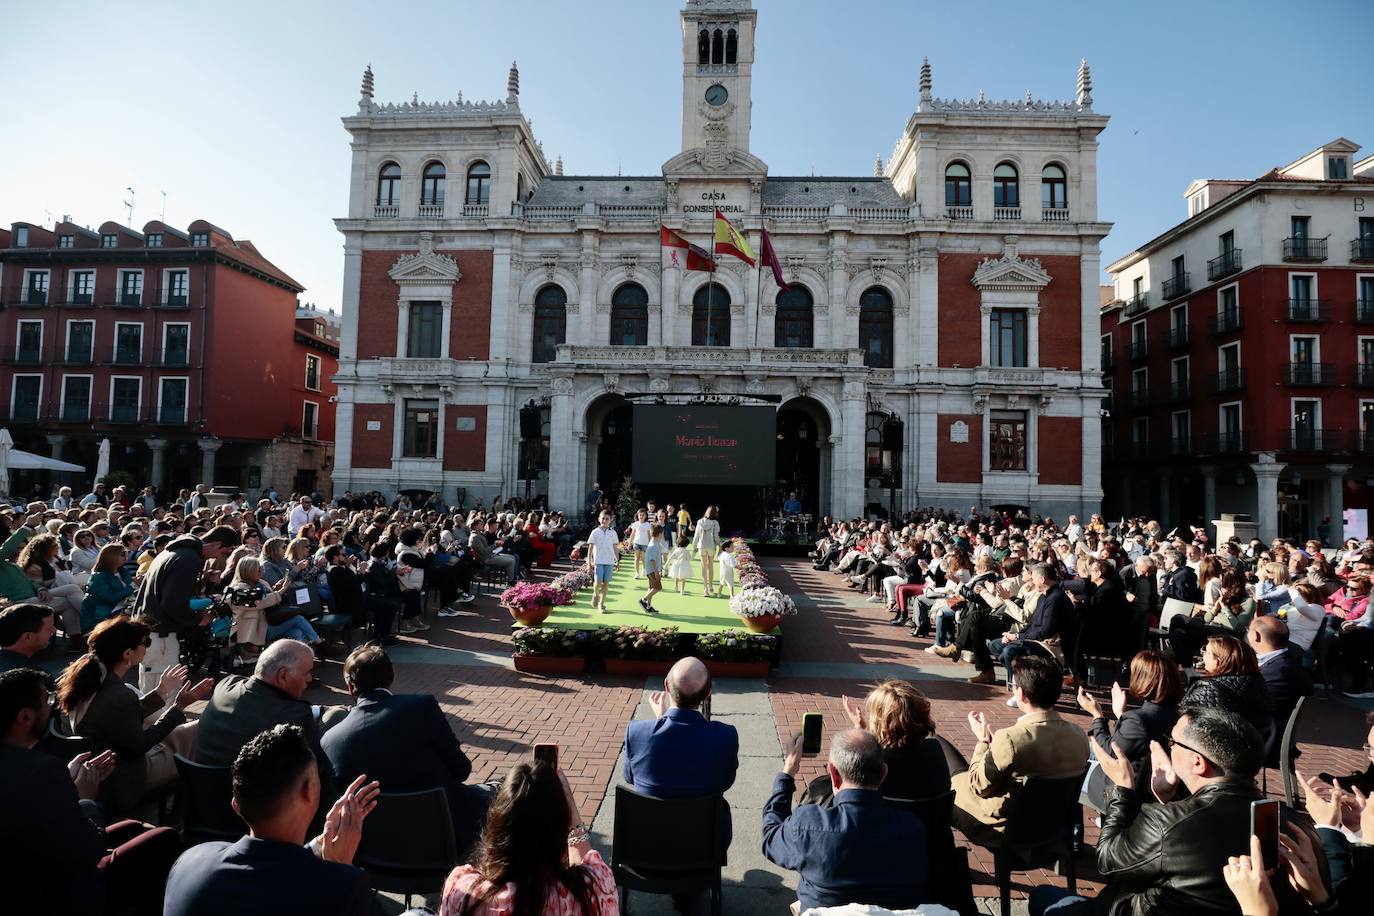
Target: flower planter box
<point>550,664</point>
<point>530,617</point>
<point>765,623</point>
<point>638,666</point>
<point>736,669</point>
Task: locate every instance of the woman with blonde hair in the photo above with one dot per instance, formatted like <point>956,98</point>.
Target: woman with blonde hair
<point>108,586</point>
<point>706,541</point>
<point>266,616</point>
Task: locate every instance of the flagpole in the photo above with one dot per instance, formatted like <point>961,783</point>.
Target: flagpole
<point>758,293</point>
<point>710,284</point>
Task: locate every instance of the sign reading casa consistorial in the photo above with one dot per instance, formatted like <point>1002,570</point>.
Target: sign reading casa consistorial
<point>934,343</point>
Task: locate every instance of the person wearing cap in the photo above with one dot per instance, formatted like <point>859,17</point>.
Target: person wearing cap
<point>63,500</point>
<point>101,530</point>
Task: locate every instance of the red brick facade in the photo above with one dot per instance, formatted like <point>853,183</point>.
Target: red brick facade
<point>372,447</point>
<point>470,334</point>
<point>960,337</point>
<point>1061,315</point>
<point>465,451</point>
<point>959,462</point>
<point>1061,450</point>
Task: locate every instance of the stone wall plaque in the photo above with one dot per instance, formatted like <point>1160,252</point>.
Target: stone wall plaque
<point>958,431</point>
<point>373,426</point>
<point>467,424</point>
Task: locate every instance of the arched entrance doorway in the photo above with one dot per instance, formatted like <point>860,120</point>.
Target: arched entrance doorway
<point>610,443</point>
<point>802,463</point>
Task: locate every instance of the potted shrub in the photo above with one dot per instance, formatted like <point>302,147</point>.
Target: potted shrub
<point>637,650</point>
<point>530,603</point>
<point>734,654</point>
<point>762,609</point>
<point>574,580</point>
<point>550,650</point>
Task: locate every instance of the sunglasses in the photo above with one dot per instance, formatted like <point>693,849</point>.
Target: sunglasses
<point>1171,743</point>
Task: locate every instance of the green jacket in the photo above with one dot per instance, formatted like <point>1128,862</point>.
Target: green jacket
<point>14,585</point>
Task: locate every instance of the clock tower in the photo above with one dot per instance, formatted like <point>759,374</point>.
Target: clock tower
<point>717,60</point>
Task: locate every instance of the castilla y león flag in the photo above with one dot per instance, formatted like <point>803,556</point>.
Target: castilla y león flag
<point>678,252</point>
<point>730,241</point>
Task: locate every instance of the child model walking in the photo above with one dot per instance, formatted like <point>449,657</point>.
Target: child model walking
<point>726,562</point>
<point>680,564</point>
<point>653,569</point>
<point>640,533</point>
<point>603,550</point>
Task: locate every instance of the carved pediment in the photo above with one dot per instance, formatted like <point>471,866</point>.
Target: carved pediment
<point>426,265</point>
<point>738,164</point>
<point>1010,271</point>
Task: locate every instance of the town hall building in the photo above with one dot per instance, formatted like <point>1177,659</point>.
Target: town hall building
<point>936,343</point>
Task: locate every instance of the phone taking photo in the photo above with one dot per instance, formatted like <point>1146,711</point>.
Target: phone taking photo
<point>548,753</point>
<point>811,733</point>
<point>1264,823</point>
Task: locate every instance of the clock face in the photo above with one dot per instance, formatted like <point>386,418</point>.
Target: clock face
<point>716,95</point>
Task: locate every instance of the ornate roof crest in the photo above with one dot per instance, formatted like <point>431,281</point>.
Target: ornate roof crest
<point>425,266</point>
<point>1010,271</point>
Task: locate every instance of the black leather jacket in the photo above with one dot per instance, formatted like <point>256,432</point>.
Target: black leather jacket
<point>1167,859</point>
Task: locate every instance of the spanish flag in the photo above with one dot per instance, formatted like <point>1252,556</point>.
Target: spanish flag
<point>729,241</point>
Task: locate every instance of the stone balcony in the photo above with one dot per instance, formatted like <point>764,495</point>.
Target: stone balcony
<point>691,359</point>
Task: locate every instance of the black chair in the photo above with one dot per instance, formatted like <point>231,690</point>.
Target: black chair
<point>1287,751</point>
<point>408,846</point>
<point>948,883</point>
<point>1041,818</point>
<point>206,811</point>
<point>649,858</point>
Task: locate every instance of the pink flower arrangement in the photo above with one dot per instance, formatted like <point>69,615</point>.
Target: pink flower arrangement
<point>527,596</point>
<point>574,580</point>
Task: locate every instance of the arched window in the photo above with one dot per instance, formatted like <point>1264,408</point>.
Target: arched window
<point>731,46</point>
<point>704,46</point>
<point>432,185</point>
<point>718,47</point>
<point>958,185</point>
<point>711,316</point>
<point>1006,186</point>
<point>794,324</point>
<point>550,323</point>
<point>1054,188</point>
<point>389,185</point>
<point>875,328</point>
<point>629,316</point>
<point>479,184</point>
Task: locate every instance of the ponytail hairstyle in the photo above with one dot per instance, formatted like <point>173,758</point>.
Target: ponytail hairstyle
<point>108,642</point>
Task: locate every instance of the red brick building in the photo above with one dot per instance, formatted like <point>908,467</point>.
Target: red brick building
<point>1240,351</point>
<point>185,349</point>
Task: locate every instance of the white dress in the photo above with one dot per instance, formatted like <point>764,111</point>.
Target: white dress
<point>680,563</point>
<point>725,563</point>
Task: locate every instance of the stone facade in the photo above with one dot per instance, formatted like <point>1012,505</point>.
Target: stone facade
<point>494,260</point>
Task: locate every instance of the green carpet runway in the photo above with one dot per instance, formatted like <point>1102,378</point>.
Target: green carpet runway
<point>690,613</point>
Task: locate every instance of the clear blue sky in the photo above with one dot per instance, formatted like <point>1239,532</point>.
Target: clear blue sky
<point>233,108</point>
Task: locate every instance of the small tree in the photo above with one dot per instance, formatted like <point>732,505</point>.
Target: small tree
<point>627,502</point>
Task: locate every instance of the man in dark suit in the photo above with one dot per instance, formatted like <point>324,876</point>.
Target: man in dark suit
<point>1180,581</point>
<point>1054,620</point>
<point>403,741</point>
<point>276,792</point>
<point>25,630</point>
<point>1283,674</point>
<point>858,850</point>
<point>242,707</point>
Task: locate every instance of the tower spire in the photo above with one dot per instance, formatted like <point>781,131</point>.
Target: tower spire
<point>558,166</point>
<point>365,98</point>
<point>925,84</point>
<point>1085,86</point>
<point>878,166</point>
<point>513,85</point>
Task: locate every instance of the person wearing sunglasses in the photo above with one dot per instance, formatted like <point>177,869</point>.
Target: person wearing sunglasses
<point>101,708</point>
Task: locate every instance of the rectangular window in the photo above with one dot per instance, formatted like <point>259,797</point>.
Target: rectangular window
<point>1228,358</point>
<point>1137,287</point>
<point>1138,333</point>
<point>21,237</point>
<point>200,239</point>
<point>1336,168</point>
<point>80,341</point>
<point>131,287</point>
<point>1178,321</point>
<point>1230,427</point>
<point>1306,433</point>
<point>1367,227</point>
<point>1179,370</point>
<point>1178,269</point>
<point>176,344</point>
<point>1228,305</point>
<point>25,397</point>
<point>36,288</point>
<point>83,287</point>
<point>126,399</point>
<point>1183,427</point>
<point>1366,426</point>
<point>1007,330</point>
<point>128,344</point>
<point>1364,291</point>
<point>312,372</point>
<point>1140,380</point>
<point>29,349</point>
<point>1300,287</point>
<point>66,241</point>
<point>1140,434</point>
<point>1007,440</point>
<point>421,430</point>
<point>1228,242</point>
<point>171,400</point>
<point>154,239</point>
<point>310,420</point>
<point>109,240</point>
<point>1106,350</point>
<point>76,398</point>
<point>1304,350</point>
<point>178,283</point>
<point>422,336</point>
<point>1298,226</point>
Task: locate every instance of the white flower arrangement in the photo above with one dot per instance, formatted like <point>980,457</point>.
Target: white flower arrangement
<point>762,602</point>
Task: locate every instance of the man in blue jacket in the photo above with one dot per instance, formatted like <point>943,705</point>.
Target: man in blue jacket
<point>680,753</point>
<point>860,849</point>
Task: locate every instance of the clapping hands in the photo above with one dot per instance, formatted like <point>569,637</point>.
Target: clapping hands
<point>189,694</point>
<point>89,771</point>
<point>343,825</point>
<point>978,724</point>
<point>854,712</point>
<point>172,680</point>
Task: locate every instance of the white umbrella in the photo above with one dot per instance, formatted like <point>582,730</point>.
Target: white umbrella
<point>6,445</point>
<point>102,465</point>
<point>30,462</point>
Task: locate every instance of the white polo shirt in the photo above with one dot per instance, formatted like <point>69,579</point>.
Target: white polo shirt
<point>603,542</point>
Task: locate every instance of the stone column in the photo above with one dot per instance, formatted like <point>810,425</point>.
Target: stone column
<point>1335,501</point>
<point>58,443</point>
<point>562,448</point>
<point>1267,470</point>
<point>208,447</point>
<point>667,307</point>
<point>159,448</point>
<point>851,463</point>
<point>1209,499</point>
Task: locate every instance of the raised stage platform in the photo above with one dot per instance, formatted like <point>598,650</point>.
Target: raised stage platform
<point>690,613</point>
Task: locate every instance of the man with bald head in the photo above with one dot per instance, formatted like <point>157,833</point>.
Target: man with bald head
<point>1281,666</point>
<point>858,850</point>
<point>680,753</point>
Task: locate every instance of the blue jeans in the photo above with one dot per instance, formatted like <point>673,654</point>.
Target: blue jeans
<point>1007,652</point>
<point>295,628</point>
<point>944,628</point>
<point>1056,901</point>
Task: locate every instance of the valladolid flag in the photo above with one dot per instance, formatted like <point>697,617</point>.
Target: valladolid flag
<point>730,241</point>
<point>770,259</point>
<point>678,252</point>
